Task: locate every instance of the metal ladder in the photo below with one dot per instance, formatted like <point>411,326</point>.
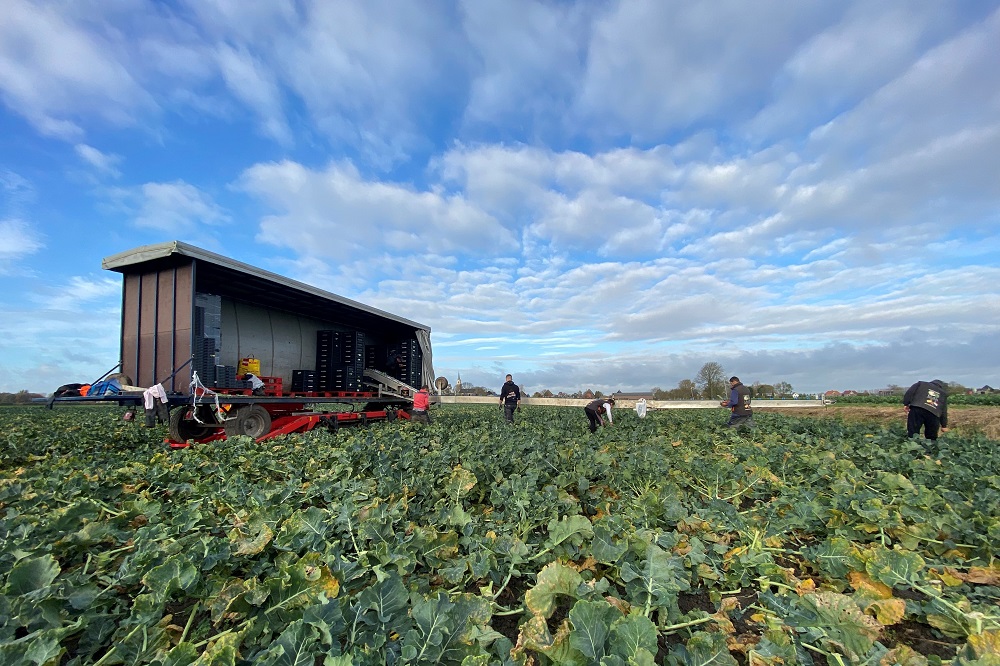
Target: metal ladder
<point>389,385</point>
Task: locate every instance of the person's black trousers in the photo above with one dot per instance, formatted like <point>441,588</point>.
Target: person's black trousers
<point>592,415</point>
<point>920,417</point>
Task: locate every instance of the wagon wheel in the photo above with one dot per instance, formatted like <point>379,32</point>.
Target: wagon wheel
<point>183,427</point>
<point>252,420</point>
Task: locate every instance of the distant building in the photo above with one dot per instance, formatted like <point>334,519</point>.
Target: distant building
<point>987,389</point>
<point>832,394</point>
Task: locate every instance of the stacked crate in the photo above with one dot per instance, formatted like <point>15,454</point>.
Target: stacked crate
<point>304,381</point>
<point>340,360</point>
<point>225,377</point>
<point>411,370</point>
<point>207,337</point>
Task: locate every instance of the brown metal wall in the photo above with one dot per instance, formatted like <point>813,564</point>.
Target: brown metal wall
<point>156,325</point>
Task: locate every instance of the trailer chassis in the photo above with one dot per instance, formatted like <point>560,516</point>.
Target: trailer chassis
<point>221,414</point>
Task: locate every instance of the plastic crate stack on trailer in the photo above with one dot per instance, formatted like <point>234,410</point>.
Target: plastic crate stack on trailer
<point>410,371</point>
<point>340,360</point>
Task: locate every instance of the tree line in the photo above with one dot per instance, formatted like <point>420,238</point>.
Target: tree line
<point>19,398</point>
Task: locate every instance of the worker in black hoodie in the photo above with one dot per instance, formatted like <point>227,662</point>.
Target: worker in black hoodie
<point>926,406</point>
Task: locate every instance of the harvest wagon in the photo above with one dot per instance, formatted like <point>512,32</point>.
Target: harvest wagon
<point>194,322</point>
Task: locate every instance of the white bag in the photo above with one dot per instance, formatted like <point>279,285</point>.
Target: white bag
<point>640,407</point>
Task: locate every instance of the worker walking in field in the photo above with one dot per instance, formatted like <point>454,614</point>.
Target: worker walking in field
<point>741,413</point>
<point>593,411</point>
<point>926,406</point>
<point>421,405</point>
<point>510,398</point>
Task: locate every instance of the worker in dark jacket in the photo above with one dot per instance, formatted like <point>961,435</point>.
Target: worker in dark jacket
<point>738,404</point>
<point>510,398</point>
<point>593,411</point>
<point>926,406</point>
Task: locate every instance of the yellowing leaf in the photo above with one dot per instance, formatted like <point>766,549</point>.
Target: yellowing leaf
<point>983,575</point>
<point>984,647</point>
<point>863,583</point>
<point>251,545</point>
<point>903,656</point>
<point>888,611</point>
<point>951,578</point>
<point>553,579</point>
<point>805,586</point>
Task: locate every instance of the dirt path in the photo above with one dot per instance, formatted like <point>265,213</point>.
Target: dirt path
<point>963,419</point>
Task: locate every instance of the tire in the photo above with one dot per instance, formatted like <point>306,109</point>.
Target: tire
<point>251,420</point>
<point>183,427</point>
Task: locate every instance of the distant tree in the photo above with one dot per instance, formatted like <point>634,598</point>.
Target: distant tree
<point>546,393</point>
<point>711,379</point>
<point>687,389</point>
<point>955,388</point>
<point>598,394</point>
<point>783,389</point>
<point>588,394</point>
<point>659,394</point>
<point>763,390</point>
<point>22,397</point>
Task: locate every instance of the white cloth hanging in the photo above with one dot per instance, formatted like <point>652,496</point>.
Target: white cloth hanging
<point>152,394</point>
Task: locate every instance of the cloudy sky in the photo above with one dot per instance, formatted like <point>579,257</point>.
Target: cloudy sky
<point>597,194</point>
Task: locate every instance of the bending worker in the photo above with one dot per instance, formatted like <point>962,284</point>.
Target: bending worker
<point>593,411</point>
<point>421,405</point>
<point>926,405</point>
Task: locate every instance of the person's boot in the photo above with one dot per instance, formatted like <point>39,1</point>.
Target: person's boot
<point>162,413</point>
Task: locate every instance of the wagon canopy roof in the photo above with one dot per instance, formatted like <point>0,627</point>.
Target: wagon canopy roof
<point>234,279</point>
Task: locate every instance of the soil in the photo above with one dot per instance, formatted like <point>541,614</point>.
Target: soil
<point>962,419</point>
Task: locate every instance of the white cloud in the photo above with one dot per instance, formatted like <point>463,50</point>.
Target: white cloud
<point>17,241</point>
<point>179,208</point>
<point>104,163</point>
<point>70,335</point>
<point>53,70</point>
<point>80,293</point>
<point>337,214</point>
<point>253,83</point>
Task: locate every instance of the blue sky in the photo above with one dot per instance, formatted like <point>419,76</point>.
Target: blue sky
<point>599,195</point>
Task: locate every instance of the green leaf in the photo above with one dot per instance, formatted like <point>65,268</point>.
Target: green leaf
<point>426,642</point>
<point>32,574</point>
<point>183,654</point>
<point>702,649</point>
<point>387,598</point>
<point>603,547</point>
<point>296,646</point>
<point>176,573</point>
<point>591,622</point>
<point>895,567</point>
<point>304,530</point>
<point>561,530</point>
<point>633,637</point>
<point>656,580</point>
